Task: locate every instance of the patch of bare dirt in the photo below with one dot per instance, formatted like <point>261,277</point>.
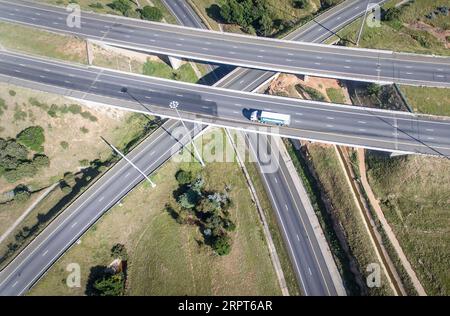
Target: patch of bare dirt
<point>438,33</point>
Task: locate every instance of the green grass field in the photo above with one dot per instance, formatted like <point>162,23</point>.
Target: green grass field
<point>414,194</point>
<point>401,36</point>
<point>162,70</point>
<point>164,257</point>
<point>428,100</point>
<point>34,41</point>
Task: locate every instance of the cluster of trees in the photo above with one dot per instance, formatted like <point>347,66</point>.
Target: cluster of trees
<point>207,210</point>
<point>253,16</point>
<point>107,281</point>
<point>147,12</point>
<point>14,155</point>
<point>391,14</point>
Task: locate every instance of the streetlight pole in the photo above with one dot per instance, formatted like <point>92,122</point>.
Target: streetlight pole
<point>174,105</point>
<point>362,24</point>
<point>130,162</point>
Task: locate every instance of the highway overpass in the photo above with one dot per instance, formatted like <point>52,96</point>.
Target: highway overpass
<point>240,50</point>
<point>317,121</point>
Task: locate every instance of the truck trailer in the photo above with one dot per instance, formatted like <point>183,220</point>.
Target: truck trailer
<point>270,118</point>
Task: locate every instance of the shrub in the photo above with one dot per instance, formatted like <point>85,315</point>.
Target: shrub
<point>32,137</point>
<point>300,4</point>
<point>222,245</point>
<point>64,144</point>
<point>118,251</point>
<point>96,5</point>
<point>84,162</point>
<point>75,109</point>
<point>84,130</point>
<point>151,13</point>
<point>392,14</point>
<point>110,285</point>
<point>123,6</point>
<point>12,93</point>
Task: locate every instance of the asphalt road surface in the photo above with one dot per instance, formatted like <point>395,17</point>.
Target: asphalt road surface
<point>308,262</point>
<point>238,50</point>
<point>354,126</point>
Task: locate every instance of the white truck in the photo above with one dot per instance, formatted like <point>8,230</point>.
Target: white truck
<point>270,117</point>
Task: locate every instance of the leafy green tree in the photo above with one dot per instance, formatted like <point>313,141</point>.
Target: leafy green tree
<point>373,89</point>
<point>13,149</point>
<point>123,6</point>
<point>32,137</point>
<point>110,285</point>
<point>183,177</point>
<point>189,199</point>
<point>41,161</point>
<point>151,13</point>
<point>266,24</point>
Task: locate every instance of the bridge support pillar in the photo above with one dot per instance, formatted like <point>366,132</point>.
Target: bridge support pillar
<point>175,62</point>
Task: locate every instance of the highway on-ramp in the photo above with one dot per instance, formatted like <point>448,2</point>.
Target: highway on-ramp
<point>239,50</point>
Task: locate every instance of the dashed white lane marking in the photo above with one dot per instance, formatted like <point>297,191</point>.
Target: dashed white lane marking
<point>74,224</point>
<point>362,122</point>
<point>298,238</point>
<point>101,199</point>
<point>430,130</point>
<point>330,118</point>
<point>15,283</point>
<point>287,208</point>
<point>205,107</point>
<point>309,269</point>
<point>127,175</point>
<point>45,253</point>
<point>328,125</point>
<point>276,181</point>
<point>300,114</point>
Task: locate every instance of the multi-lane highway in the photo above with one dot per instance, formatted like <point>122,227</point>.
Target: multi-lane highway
<point>315,274</point>
<point>239,50</point>
<point>347,125</point>
<point>30,265</point>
